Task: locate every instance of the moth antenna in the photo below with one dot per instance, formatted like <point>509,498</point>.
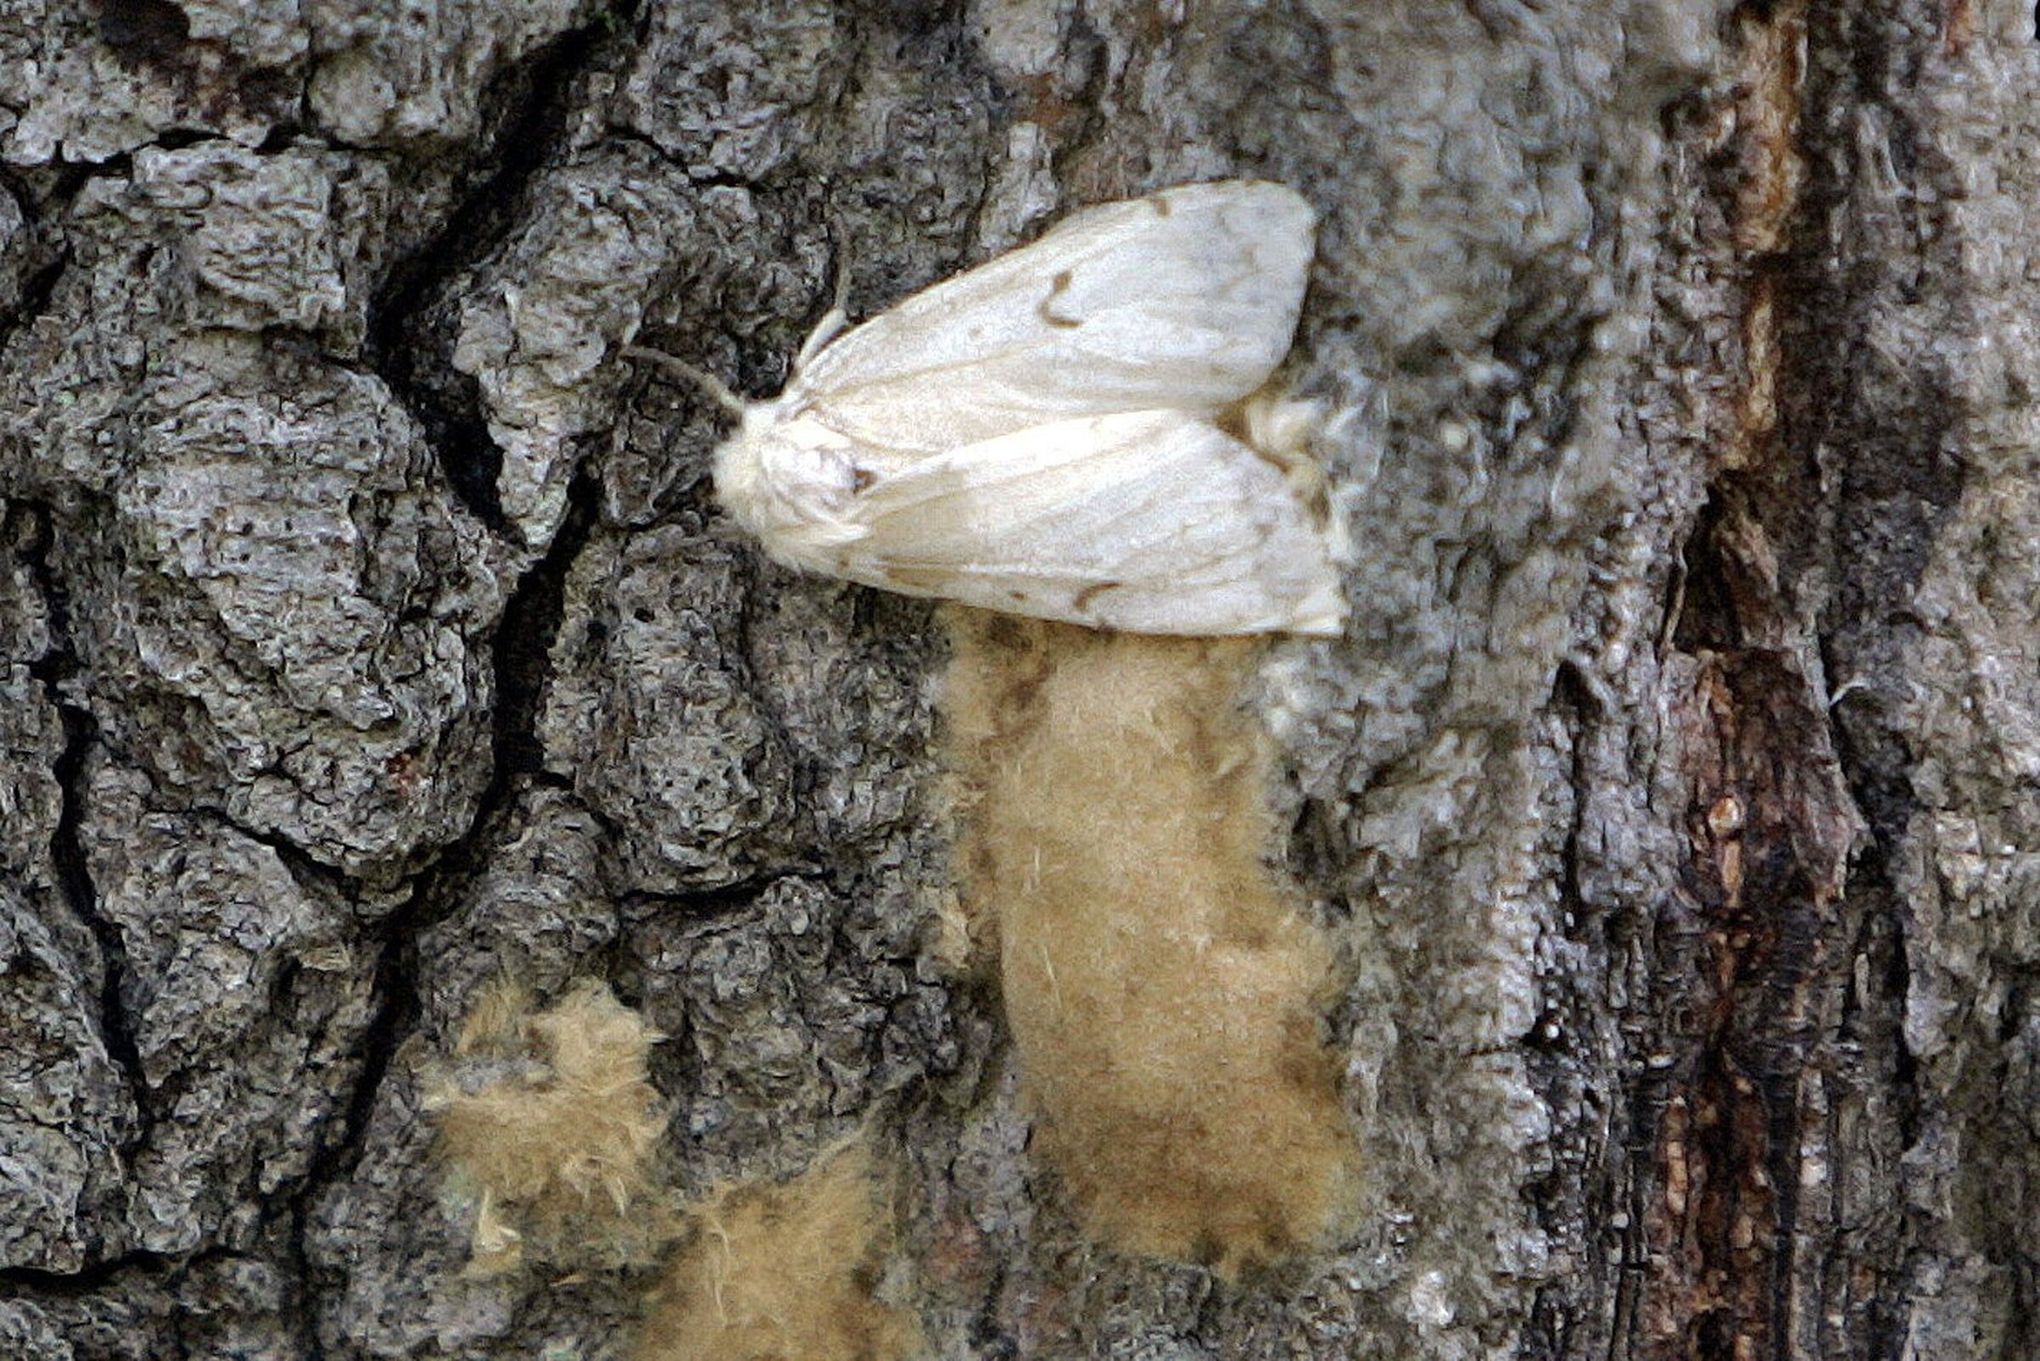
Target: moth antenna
<point>720,391</point>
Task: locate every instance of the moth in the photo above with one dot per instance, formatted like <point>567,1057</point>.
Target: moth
<point>1070,431</point>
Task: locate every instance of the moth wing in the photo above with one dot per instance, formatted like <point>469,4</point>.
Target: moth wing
<point>1187,298</point>
<point>1146,521</point>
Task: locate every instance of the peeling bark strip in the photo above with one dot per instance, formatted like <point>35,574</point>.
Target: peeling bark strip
<point>1770,822</point>
<point>1825,1117</point>
<point>1770,828</point>
<point>1165,992</point>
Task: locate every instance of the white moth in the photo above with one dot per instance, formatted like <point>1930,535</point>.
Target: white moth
<point>1066,432</point>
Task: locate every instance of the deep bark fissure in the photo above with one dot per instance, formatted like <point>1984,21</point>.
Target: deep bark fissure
<point>406,343</point>
<point>1893,481</point>
<point>67,847</point>
<point>96,1276</point>
<point>530,623</point>
<point>36,291</point>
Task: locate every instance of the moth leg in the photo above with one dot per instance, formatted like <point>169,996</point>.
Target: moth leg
<point>833,323</point>
<point>837,319</point>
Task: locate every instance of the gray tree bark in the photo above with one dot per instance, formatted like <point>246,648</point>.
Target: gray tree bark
<point>368,638</point>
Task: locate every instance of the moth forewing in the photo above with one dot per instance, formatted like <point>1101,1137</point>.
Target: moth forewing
<point>1147,521</point>
<point>1186,299</point>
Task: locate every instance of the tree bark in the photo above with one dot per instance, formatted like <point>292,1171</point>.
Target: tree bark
<point>377,676</point>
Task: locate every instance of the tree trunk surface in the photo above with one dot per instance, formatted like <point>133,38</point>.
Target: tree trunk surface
<point>459,899</point>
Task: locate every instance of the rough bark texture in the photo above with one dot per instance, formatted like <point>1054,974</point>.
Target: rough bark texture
<point>368,637</point>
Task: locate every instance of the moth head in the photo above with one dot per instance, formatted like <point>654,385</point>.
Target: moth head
<point>789,479</point>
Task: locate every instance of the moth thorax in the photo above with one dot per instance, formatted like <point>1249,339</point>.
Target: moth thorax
<point>790,482</point>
